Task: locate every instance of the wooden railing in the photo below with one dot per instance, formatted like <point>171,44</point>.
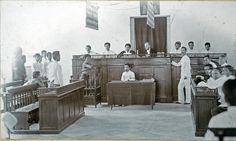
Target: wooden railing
<point>21,96</point>
<point>61,107</point>
<point>203,100</point>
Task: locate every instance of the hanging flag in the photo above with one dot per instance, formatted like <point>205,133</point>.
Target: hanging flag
<point>150,14</point>
<point>91,16</point>
<point>143,7</point>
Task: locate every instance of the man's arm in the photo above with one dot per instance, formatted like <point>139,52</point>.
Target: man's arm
<point>175,64</point>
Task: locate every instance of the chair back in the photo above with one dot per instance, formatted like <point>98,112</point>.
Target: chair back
<point>9,120</point>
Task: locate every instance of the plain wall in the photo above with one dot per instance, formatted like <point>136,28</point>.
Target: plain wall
<point>60,25</point>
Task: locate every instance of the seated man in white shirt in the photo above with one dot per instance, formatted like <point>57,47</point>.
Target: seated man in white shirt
<point>190,46</point>
<point>127,51</point>
<point>108,51</point>
<point>223,60</point>
<point>89,51</point>
<point>207,60</point>
<point>55,76</point>
<point>127,75</point>
<point>207,48</point>
<point>227,118</point>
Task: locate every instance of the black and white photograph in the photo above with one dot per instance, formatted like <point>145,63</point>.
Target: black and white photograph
<point>118,70</point>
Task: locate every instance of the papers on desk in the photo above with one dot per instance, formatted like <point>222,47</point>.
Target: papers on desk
<point>148,80</point>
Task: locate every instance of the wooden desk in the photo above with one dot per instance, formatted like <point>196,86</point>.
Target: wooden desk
<point>131,93</point>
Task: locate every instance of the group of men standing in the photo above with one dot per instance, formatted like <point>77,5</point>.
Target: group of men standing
<point>46,72</point>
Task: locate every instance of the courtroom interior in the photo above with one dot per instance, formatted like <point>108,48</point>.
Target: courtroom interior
<point>162,70</point>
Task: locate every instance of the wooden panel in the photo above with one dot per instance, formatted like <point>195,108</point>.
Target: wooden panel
<point>202,97</point>
<point>112,69</point>
<point>61,107</point>
<point>131,93</point>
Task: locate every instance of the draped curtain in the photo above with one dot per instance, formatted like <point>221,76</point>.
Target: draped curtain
<point>157,37</point>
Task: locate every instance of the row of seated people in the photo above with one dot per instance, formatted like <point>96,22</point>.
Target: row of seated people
<point>148,50</point>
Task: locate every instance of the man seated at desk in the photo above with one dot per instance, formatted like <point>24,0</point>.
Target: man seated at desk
<point>127,75</point>
<point>149,51</point>
<point>127,51</point>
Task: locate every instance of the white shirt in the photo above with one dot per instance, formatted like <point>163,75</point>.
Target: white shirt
<point>91,53</point>
<point>218,83</point>
<point>126,76</point>
<point>225,64</point>
<point>222,120</point>
<point>38,67</point>
<point>185,66</point>
<point>44,62</point>
<point>55,73</point>
<point>110,52</point>
<point>175,51</point>
<point>213,64</point>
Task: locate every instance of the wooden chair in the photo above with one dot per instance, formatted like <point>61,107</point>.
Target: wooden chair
<point>223,132</point>
<point>9,121</point>
<point>92,91</point>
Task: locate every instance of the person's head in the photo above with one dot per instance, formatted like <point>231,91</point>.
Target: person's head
<point>88,48</point>
<point>37,57</point>
<point>191,45</point>
<point>222,59</point>
<point>183,50</point>
<point>227,70</point>
<point>177,45</point>
<point>208,68</point>
<point>127,67</point>
<point>18,51</point>
<point>87,57</point>
<point>229,90</point>
<point>56,56</point>
<point>49,56</point>
<point>107,45</point>
<point>36,74</point>
<point>127,47</point>
<point>207,46</point>
<point>147,46</point>
<point>24,58</point>
<point>206,59</point>
<point>44,53</point>
<point>215,73</point>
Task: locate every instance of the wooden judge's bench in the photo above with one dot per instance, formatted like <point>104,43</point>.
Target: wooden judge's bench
<point>166,76</point>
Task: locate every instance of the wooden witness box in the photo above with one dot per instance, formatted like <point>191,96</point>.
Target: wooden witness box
<point>61,107</point>
<point>131,92</point>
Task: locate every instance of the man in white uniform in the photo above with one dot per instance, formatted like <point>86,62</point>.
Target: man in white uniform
<point>185,77</point>
<point>127,75</point>
<point>108,51</point>
<point>55,71</point>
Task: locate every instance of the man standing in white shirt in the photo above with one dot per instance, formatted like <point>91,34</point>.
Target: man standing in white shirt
<point>108,51</point>
<point>55,71</point>
<point>185,77</point>
<point>127,75</point>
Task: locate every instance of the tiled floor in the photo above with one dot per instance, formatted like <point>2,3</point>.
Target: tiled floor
<point>165,122</point>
